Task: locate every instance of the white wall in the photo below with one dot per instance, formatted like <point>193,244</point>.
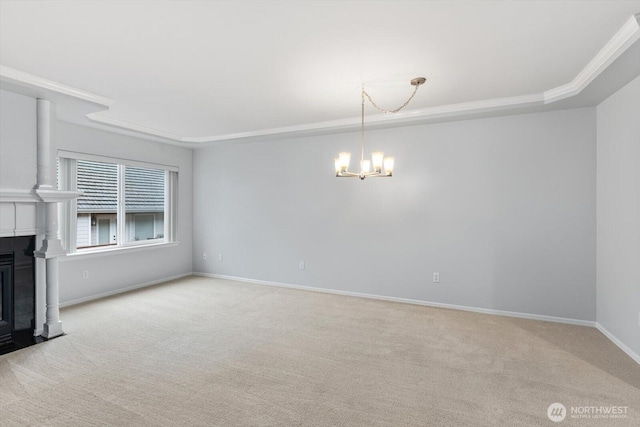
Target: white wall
<point>503,208</point>
<point>109,273</point>
<point>18,140</point>
<point>618,207</point>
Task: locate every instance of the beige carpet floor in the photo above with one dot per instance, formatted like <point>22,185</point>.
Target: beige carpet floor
<point>209,352</point>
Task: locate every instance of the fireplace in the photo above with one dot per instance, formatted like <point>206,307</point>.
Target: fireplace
<point>17,293</point>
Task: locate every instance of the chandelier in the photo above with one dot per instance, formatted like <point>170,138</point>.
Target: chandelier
<point>378,160</point>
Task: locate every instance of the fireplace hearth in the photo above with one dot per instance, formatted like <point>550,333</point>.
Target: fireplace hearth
<point>17,293</point>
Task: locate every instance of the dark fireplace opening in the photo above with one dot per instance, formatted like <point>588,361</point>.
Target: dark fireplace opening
<point>17,293</point>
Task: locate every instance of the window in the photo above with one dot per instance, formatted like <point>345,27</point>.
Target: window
<point>97,208</point>
<point>144,203</point>
<point>124,203</point>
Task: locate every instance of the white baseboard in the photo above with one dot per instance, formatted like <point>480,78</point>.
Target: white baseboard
<point>122,290</point>
<point>619,343</point>
<point>566,320</point>
<point>409,301</point>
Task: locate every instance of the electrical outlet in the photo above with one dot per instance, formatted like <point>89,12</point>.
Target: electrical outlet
<point>85,274</point>
<point>301,265</point>
<point>220,258</point>
<point>204,255</point>
<point>436,277</point>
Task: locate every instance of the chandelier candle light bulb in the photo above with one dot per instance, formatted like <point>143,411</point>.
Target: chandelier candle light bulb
<point>344,159</point>
<point>365,166</point>
<point>388,165</point>
<point>378,160</point>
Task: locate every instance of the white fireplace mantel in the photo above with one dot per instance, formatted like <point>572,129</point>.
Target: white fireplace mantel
<point>37,195</point>
<point>18,209</point>
<point>18,214</point>
<point>12,196</point>
<point>57,196</point>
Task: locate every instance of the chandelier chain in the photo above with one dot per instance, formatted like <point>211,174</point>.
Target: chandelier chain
<point>364,93</point>
<point>382,166</point>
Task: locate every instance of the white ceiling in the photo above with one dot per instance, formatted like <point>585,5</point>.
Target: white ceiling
<point>212,69</point>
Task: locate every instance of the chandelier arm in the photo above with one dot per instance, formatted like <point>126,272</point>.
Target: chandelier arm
<point>415,89</point>
<point>361,176</point>
<point>348,175</point>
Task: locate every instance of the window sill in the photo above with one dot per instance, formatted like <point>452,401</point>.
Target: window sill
<point>117,251</point>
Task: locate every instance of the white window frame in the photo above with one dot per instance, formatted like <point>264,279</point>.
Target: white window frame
<point>69,211</point>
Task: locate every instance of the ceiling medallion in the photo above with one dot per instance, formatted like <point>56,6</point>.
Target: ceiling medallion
<point>377,158</point>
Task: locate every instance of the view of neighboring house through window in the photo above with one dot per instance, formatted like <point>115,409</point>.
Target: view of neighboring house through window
<point>121,204</point>
<point>144,203</point>
<point>97,213</point>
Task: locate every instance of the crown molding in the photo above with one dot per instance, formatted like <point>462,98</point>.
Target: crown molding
<point>628,34</point>
<point>409,116</point>
<point>139,129</point>
<point>382,120</point>
<point>43,88</point>
<point>619,43</point>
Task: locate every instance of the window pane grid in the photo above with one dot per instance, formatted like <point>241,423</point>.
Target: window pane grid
<point>144,203</point>
<point>121,205</point>
<point>97,219</point>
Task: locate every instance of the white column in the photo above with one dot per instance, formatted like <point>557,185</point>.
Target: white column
<point>40,273</point>
<point>51,245</point>
<point>53,249</point>
<point>45,123</point>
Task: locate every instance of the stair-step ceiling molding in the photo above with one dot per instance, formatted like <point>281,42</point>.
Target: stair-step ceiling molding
<point>71,103</point>
<point>76,105</point>
<point>619,43</point>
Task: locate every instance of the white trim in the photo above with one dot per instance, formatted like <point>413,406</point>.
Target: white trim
<point>619,343</point>
<point>69,162</point>
<point>18,232</point>
<point>120,250</point>
<point>11,195</point>
<point>56,196</point>
<point>32,231</point>
<point>139,129</point>
<point>530,316</point>
<point>409,116</point>
<point>106,159</point>
<point>620,42</point>
<point>11,75</point>
<point>123,290</point>
<point>20,209</point>
<point>542,317</point>
<point>628,34</point>
<point>341,125</point>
